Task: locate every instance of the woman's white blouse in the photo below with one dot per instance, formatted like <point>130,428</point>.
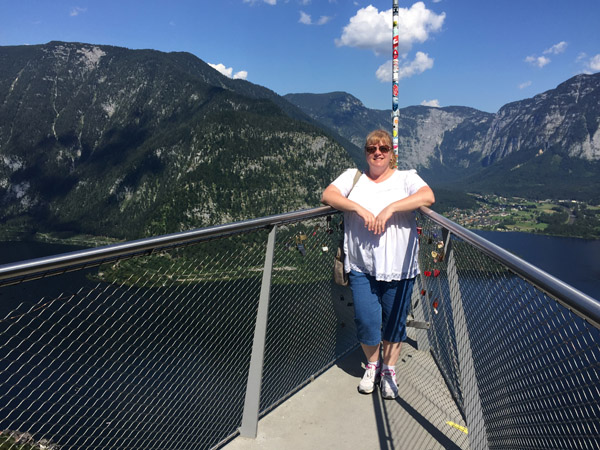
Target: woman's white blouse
<point>393,254</point>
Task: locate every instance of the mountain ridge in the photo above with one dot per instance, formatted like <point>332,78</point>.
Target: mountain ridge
<point>128,143</point>
<point>467,149</point>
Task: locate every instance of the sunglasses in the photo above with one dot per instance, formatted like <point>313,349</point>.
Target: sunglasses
<point>370,149</point>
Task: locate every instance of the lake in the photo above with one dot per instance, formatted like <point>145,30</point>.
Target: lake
<point>574,261</point>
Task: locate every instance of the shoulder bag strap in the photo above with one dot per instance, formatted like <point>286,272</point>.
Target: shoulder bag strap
<point>356,177</point>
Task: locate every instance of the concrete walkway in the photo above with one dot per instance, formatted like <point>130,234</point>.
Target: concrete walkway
<point>329,413</point>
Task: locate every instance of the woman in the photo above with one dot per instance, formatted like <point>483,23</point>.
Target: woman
<point>381,247</point>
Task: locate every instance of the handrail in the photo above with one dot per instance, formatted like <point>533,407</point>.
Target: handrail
<point>581,304</point>
<point>575,300</point>
<point>149,245</point>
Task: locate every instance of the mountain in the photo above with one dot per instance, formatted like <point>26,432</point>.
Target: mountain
<point>129,143</point>
<point>546,146</point>
<point>342,113</point>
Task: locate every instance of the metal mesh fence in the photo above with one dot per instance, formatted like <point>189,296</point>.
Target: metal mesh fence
<point>153,351</point>
<point>533,363</point>
<point>311,320</point>
<point>138,353</point>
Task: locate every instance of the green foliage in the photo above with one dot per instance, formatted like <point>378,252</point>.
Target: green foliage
<point>150,143</point>
<point>555,218</point>
<point>9,443</point>
<point>447,199</point>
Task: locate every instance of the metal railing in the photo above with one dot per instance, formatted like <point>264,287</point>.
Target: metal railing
<point>163,342</point>
<point>518,347</point>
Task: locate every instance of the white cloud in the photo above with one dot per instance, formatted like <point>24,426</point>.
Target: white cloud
<point>556,48</point>
<point>306,19</point>
<point>581,57</point>
<point>228,71</point>
<point>269,2</point>
<point>384,72</point>
<point>538,61</point>
<point>420,64</point>
<point>433,103</point>
<point>525,85</point>
<point>76,11</point>
<point>541,61</point>
<point>594,63</point>
<point>371,29</point>
<point>590,64</point>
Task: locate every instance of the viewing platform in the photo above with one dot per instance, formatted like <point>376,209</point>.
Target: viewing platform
<point>235,336</point>
<point>330,413</point>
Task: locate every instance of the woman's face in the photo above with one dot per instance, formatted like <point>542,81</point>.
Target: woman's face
<point>378,155</point>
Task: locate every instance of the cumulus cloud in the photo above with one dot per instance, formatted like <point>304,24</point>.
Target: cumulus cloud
<point>228,71</point>
<point>384,72</point>
<point>541,61</point>
<point>525,85</point>
<point>306,19</point>
<point>538,61</point>
<point>590,65</point>
<point>581,57</point>
<point>420,64</point>
<point>269,2</point>
<point>433,103</point>
<point>556,49</point>
<point>76,11</point>
<point>371,29</point>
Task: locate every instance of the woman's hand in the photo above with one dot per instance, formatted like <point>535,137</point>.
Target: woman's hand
<point>382,219</point>
<point>367,217</point>
<point>423,197</point>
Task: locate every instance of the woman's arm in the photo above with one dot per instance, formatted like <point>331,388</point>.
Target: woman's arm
<point>423,197</point>
<point>332,196</point>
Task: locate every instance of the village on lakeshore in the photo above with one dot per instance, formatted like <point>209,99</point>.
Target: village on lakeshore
<point>556,217</point>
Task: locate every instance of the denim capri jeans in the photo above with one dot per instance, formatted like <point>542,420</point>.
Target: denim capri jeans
<point>380,307</point>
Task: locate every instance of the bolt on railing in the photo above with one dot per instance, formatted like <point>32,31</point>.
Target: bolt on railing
<point>163,342</point>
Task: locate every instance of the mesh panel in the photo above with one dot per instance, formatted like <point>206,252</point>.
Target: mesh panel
<point>310,318</point>
<point>134,353</point>
<point>536,364</point>
<point>134,358</point>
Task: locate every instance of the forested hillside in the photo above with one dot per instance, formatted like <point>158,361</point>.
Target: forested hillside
<point>109,141</point>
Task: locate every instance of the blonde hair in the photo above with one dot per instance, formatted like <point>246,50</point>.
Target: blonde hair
<point>379,136</point>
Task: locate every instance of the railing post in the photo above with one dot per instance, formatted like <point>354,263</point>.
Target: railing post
<point>249,425</point>
<point>468,378</point>
<point>421,336</point>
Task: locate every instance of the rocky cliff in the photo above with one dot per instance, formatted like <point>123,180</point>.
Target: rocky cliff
<point>545,139</point>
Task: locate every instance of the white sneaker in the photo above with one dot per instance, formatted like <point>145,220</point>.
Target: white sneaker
<point>369,379</point>
<point>389,387</point>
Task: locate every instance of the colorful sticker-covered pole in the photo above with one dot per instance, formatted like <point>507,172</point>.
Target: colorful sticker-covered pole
<point>395,76</point>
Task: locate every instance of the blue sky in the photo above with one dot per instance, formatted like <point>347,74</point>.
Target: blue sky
<point>477,53</point>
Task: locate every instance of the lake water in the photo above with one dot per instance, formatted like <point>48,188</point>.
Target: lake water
<point>574,261</point>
